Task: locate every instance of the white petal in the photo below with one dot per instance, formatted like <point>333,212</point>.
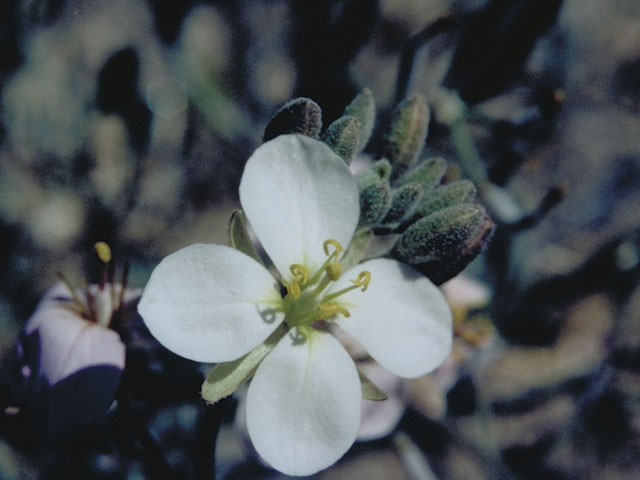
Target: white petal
<point>402,319</point>
<point>303,406</point>
<point>68,342</point>
<point>210,303</point>
<point>297,193</point>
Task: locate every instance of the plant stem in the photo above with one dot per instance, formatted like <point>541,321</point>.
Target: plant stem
<point>206,441</point>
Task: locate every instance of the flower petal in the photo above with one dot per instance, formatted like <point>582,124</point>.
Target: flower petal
<point>210,303</point>
<point>402,319</point>
<point>303,405</point>
<point>297,193</point>
<point>69,343</point>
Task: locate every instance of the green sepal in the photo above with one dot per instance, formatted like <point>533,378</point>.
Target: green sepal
<point>300,115</point>
<point>370,390</point>
<point>356,249</point>
<point>439,235</point>
<point>239,237</point>
<point>225,378</point>
<point>375,201</point>
<point>407,134</point>
<point>342,136</point>
<point>454,193</point>
<point>363,108</point>
<point>403,201</point>
<point>428,173</point>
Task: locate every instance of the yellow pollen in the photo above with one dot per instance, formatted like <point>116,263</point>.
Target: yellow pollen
<point>335,244</point>
<point>293,288</point>
<point>103,251</point>
<point>363,280</point>
<point>334,270</point>
<point>300,273</point>
<point>330,309</point>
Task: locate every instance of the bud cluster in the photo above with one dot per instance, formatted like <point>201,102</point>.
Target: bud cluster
<point>437,228</point>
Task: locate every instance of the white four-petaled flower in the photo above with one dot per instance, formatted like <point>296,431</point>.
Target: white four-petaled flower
<point>212,303</point>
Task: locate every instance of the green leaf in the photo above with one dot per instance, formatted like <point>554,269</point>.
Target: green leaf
<point>369,389</point>
<point>225,378</point>
<point>239,237</point>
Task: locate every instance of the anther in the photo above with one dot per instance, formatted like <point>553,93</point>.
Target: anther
<point>300,273</point>
<point>335,244</point>
<point>334,270</point>
<point>103,251</point>
<point>293,288</point>
<point>363,280</point>
<point>330,309</point>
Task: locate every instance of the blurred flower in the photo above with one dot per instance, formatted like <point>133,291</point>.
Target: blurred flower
<point>68,362</point>
<point>212,303</point>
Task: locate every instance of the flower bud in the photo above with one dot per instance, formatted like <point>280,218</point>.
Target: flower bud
<point>375,200</point>
<point>454,193</point>
<point>342,136</point>
<point>379,170</point>
<point>428,173</point>
<point>403,201</point>
<point>441,234</point>
<point>363,108</point>
<point>447,267</point>
<point>407,134</point>
<point>300,115</point>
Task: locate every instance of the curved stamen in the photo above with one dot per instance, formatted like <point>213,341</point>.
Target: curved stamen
<point>363,280</point>
<point>329,309</point>
<point>293,288</point>
<point>300,273</point>
<point>334,243</point>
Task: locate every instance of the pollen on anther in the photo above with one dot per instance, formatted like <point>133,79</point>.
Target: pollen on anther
<point>300,273</point>
<point>334,270</point>
<point>335,244</point>
<point>104,251</point>
<point>363,280</point>
<point>330,309</point>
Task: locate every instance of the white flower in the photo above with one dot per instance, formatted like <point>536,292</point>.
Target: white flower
<point>211,303</point>
<point>70,362</point>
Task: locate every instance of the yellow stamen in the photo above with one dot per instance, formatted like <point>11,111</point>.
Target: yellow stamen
<point>363,280</point>
<point>300,273</point>
<point>103,251</point>
<point>329,309</point>
<point>335,244</point>
<point>334,270</point>
<point>293,288</point>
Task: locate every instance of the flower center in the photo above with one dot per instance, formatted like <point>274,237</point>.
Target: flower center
<point>103,301</point>
<point>306,301</point>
